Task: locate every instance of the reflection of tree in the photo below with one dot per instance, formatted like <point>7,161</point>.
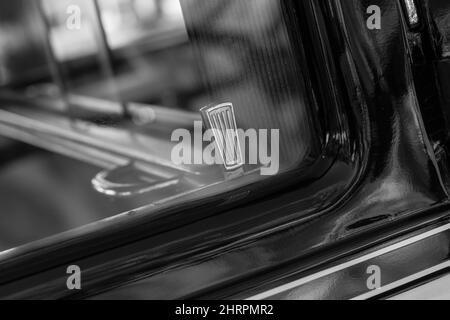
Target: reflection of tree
<point>262,48</point>
<point>22,57</point>
<point>158,8</point>
<point>247,57</point>
<point>156,17</point>
<point>200,14</point>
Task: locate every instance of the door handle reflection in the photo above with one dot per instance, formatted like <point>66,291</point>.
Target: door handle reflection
<point>129,181</point>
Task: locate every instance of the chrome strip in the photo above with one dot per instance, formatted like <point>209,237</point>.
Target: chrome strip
<point>300,282</point>
<point>404,281</point>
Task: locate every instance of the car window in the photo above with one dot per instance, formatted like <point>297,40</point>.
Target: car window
<point>132,103</point>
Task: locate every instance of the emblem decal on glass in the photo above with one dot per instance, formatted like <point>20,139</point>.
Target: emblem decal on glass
<point>221,120</point>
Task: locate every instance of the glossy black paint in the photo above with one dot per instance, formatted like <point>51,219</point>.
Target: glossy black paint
<point>385,181</point>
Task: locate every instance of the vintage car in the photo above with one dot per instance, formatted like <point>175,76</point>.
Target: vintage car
<point>224,149</point>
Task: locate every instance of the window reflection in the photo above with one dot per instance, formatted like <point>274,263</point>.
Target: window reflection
<point>125,74</point>
<point>124,21</point>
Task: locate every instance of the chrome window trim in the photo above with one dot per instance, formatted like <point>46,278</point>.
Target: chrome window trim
<point>295,284</point>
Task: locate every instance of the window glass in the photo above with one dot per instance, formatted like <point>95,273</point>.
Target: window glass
<point>132,103</point>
